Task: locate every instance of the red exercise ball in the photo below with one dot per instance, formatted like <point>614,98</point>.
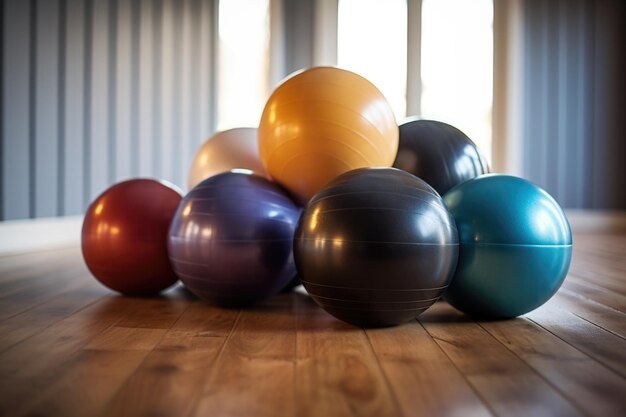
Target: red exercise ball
<point>124,237</point>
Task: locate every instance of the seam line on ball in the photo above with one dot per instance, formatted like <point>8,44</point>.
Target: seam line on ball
<point>317,239</point>
<point>375,289</point>
<point>368,310</point>
<point>375,302</point>
<point>415,197</point>
<point>529,245</point>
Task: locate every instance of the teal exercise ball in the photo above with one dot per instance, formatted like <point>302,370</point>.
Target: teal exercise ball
<point>515,246</point>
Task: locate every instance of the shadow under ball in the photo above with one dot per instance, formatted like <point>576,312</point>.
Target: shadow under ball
<point>438,153</point>
<point>376,247</point>
<point>231,239</point>
<point>515,246</point>
<point>124,236</point>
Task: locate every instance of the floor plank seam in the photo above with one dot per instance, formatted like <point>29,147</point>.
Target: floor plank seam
<point>296,358</point>
<point>76,286</point>
<point>579,350</point>
<point>593,287</point>
<point>84,343</point>
<point>582,297</point>
<point>561,393</point>
<point>599,287</point>
<point>51,324</point>
<point>596,325</point>
<point>139,365</point>
<point>482,399</point>
<point>71,285</point>
<point>194,408</point>
<point>607,282</point>
<point>67,343</point>
<point>392,393</point>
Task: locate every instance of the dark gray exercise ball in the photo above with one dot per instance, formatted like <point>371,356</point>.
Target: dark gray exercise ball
<point>438,153</point>
<point>376,247</point>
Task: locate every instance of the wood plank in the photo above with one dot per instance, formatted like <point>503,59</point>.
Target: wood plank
<point>88,381</point>
<point>607,318</point>
<point>604,254</point>
<point>26,298</point>
<point>600,244</point>
<point>596,293</point>
<point>595,264</point>
<point>422,377</point>
<point>337,373</point>
<point>77,348</point>
<point>21,262</point>
<point>610,266</point>
<point>31,322</point>
<point>256,370</point>
<point>170,380</point>
<point>599,344</point>
<point>113,355</point>
<point>31,276</point>
<point>157,313</point>
<point>565,367</point>
<point>597,279</point>
<point>32,366</point>
<point>505,382</point>
<point>126,338</point>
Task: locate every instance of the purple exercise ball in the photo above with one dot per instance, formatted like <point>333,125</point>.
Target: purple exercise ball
<point>231,239</point>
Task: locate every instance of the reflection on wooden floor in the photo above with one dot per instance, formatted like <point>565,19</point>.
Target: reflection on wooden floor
<point>69,347</point>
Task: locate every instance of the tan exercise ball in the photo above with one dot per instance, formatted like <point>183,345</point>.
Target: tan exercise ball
<point>234,148</point>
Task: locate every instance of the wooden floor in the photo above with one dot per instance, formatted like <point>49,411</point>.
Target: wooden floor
<point>69,347</point>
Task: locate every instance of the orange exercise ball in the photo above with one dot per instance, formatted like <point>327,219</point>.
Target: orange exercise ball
<point>322,122</point>
<point>234,148</point>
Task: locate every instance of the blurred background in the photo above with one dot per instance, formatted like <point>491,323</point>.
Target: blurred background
<point>98,91</point>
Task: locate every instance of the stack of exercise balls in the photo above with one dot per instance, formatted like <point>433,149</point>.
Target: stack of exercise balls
<point>378,221</point>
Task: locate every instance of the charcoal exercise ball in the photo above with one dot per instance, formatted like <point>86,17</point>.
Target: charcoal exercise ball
<point>515,246</point>
<point>231,239</point>
<point>322,122</point>
<point>233,148</point>
<point>376,247</point>
<point>124,236</point>
<point>438,153</point>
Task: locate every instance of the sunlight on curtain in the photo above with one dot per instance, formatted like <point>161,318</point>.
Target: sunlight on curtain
<point>457,66</point>
<point>243,62</point>
<point>372,42</point>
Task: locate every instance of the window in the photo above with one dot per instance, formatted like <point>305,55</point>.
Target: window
<point>372,41</point>
<point>457,66</point>
<point>243,47</point>
<point>456,58</point>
